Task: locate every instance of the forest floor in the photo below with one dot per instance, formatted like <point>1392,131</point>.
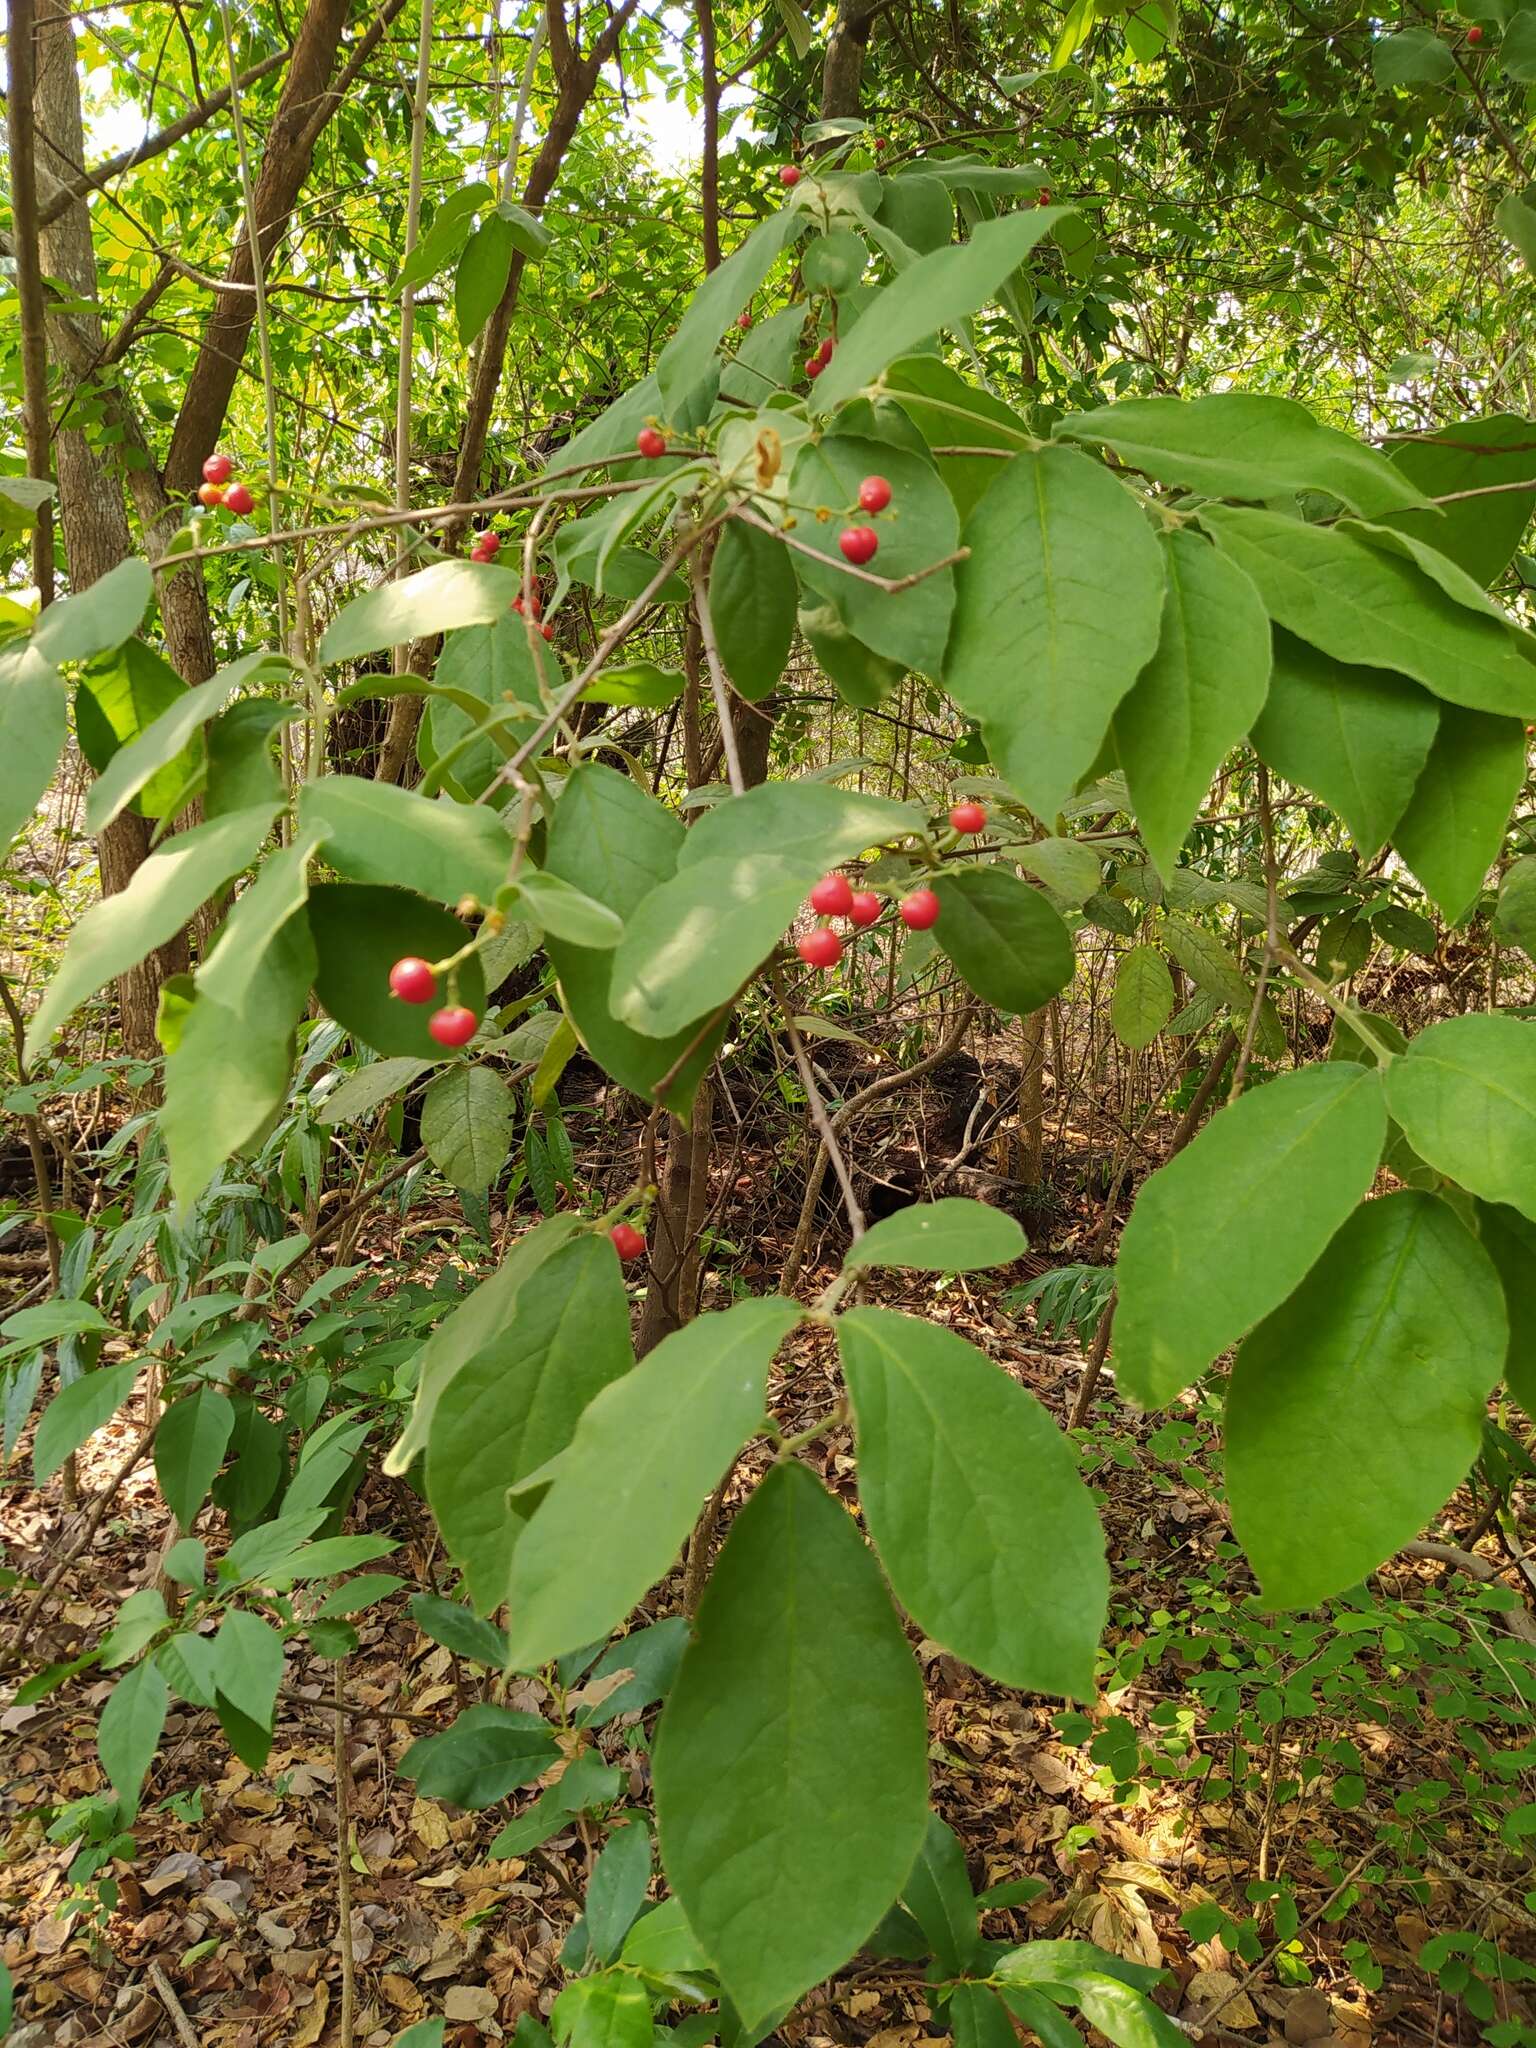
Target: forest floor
<point>1233,1807</point>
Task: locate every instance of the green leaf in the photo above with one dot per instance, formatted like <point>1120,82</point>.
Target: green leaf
<point>616,843</point>
<point>1224,1232</point>
<point>481,277</point>
<point>649,1447</point>
<point>979,2019</point>
<point>952,1235</point>
<point>1515,912</point>
<point>939,290</point>
<point>116,933</point>
<point>1372,607</point>
<point>919,210</point>
<point>466,1125</point>
<point>97,619</point>
<point>1413,56</point>
<point>938,1895</point>
<point>1356,737</point>
<point>966,1483</point>
<point>378,832</point>
<point>139,1620</point>
<point>692,943</point>
<point>616,1890</point>
<point>243,769</point>
<point>651,1655</point>
<point>1143,997</point>
<point>34,723</point>
<point>360,931</point>
<point>1465,1095</point>
<point>530,236</point>
<point>1509,1239</point>
<point>753,598</point>
<point>636,685</point>
<point>119,696</point>
<point>585,1782</point>
<point>248,1666</point>
<point>1395,1337</point>
<point>1008,943</point>
<point>487,1753</point>
<point>690,354</point>
<point>1244,444</point>
<point>482,1319</point>
<point>611,2009</point>
<point>76,1412</point>
<point>951,412</point>
<point>1057,612</point>
<point>815,825</point>
<point>568,912</point>
<point>921,528</point>
<point>1201,954</point>
<point>229,1069</point>
<point>1198,695</point>
<point>512,1406</point>
<point>366,1089</point>
<point>1479,534</point>
<point>128,1733</point>
<point>1453,829</point>
<point>141,762</point>
<point>790,1771</point>
<point>190,1443</point>
<point>1125,2016</point>
<point>1068,868</point>
<point>460,1630</point>
<point>1517,220</point>
<point>435,600</point>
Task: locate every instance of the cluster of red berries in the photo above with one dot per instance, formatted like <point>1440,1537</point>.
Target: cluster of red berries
<point>487,546</point>
<point>628,1242</point>
<point>818,362</point>
<point>413,981</point>
<point>530,610</point>
<point>216,489</point>
<point>835,896</point>
<point>860,543</point>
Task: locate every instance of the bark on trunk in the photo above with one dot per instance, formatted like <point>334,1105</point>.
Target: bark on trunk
<point>842,71</point>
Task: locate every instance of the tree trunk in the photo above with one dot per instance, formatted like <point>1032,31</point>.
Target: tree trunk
<point>842,73</point>
<point>91,509</point>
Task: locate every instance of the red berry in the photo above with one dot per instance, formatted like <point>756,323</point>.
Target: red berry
<point>1045,196</point>
<point>529,611</point>
<point>627,1241</point>
<point>413,981</point>
<point>919,910</point>
<point>858,544</point>
<point>865,907</point>
<point>650,442</point>
<point>833,896</point>
<point>453,1026</point>
<point>238,499</point>
<point>218,469</point>
<point>1474,34</point>
<point>789,174</point>
<point>968,817</point>
<point>480,554</point>
<point>743,321</point>
<point>814,368</point>
<point>821,947</point>
<point>490,541</point>
<point>874,494</point>
<point>824,353</point>
<point>881,143</point>
<point>211,494</point>
<point>547,630</point>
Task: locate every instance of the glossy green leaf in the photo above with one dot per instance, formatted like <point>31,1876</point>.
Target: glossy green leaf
<point>813,824</point>
<point>1007,941</point>
<point>1198,695</point>
<point>753,598</point>
<point>248,1666</point>
<point>1068,868</point>
<point>189,1449</point>
<point>366,1089</point>
<point>378,832</point>
<point>609,2010</point>
<point>585,1782</point>
<point>790,1769</point>
<point>119,696</point>
<point>136,1624</point>
<point>1244,444</point>
<point>360,931</point>
<point>568,912</point>
<point>75,1414</point>
<point>487,1753</point>
<point>1479,534</point>
<point>1509,1239</point>
<point>1372,607</point>
<point>128,1733</point>
<point>952,1235</point>
<point>920,528</point>
<point>1395,1336</point>
<point>116,933</point>
<point>466,1124</point>
<point>694,941</point>
<point>482,274</point>
<point>1356,737</point>
<point>1453,829</point>
<point>938,1895</point>
<point>1143,998</point>
<point>447,595</point>
<point>144,760</point>
<point>1057,612</point>
<point>460,1630</point>
<point>616,1889</point>
<point>1465,1095</point>
<point>513,1405</point>
<point>1515,912</point>
<point>34,723</point>
<point>1412,57</point>
<point>616,843</point>
<point>649,1447</point>
<point>1229,1227</point>
<point>937,291</point>
<point>95,620</point>
<point>690,354</point>
<point>965,1483</point>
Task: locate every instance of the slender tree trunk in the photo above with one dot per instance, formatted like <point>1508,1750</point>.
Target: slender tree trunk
<point>842,72</point>
<point>91,509</point>
<point>21,49</point>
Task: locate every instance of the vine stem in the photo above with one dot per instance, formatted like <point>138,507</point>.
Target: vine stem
<point>263,326</point>
<point>720,688</point>
<point>818,1112</point>
<point>891,585</point>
